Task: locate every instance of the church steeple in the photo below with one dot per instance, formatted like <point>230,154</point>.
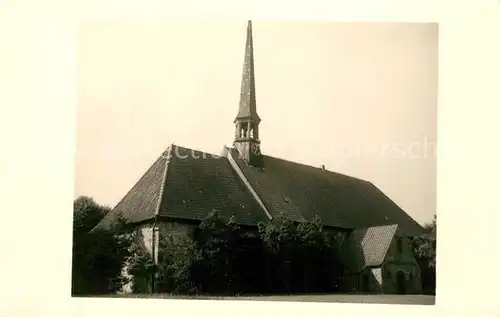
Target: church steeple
<point>247,121</point>
<point>248,109</point>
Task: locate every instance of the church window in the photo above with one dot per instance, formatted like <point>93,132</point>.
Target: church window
<point>399,244</point>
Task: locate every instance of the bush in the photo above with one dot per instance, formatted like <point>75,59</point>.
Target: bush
<point>98,258</point>
<point>424,249</point>
<point>302,257</point>
<point>177,257</point>
<point>222,258</point>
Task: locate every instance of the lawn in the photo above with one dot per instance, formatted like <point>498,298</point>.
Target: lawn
<point>327,298</point>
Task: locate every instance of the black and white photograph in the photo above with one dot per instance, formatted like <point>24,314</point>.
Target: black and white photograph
<point>256,160</point>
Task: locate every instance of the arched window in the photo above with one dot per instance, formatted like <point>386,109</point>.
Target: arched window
<point>399,244</point>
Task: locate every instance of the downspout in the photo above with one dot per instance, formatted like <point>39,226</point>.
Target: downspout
<point>155,241</point>
<point>154,250</point>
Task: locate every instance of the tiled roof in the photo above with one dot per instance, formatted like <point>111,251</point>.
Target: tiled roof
<point>196,186</point>
<point>196,183</point>
<point>140,202</point>
<point>341,201</point>
<point>367,247</point>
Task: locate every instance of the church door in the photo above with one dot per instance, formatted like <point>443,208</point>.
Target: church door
<point>401,282</point>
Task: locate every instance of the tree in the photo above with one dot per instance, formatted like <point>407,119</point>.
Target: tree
<point>87,214</point>
<point>425,245</point>
<point>217,241</point>
<point>178,254</point>
<point>201,262</point>
<point>320,263</point>
<point>302,257</point>
<point>424,248</point>
<point>216,259</point>
<point>281,241</point>
<point>220,257</point>
<point>141,265</point>
<point>98,256</point>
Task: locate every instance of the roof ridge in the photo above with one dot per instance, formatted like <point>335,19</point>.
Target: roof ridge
<point>128,192</point>
<point>192,149</point>
<point>164,178</point>
<point>247,184</point>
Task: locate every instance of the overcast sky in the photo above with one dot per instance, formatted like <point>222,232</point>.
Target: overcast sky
<point>359,98</point>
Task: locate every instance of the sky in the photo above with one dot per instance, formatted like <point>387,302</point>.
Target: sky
<point>359,98</point>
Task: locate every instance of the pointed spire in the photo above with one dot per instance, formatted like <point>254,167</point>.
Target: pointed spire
<point>247,107</point>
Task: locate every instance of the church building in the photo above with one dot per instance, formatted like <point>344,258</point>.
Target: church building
<point>184,185</point>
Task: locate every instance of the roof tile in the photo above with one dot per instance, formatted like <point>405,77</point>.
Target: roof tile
<point>141,201</point>
<point>196,186</point>
<point>197,183</point>
<point>367,247</point>
<point>340,200</point>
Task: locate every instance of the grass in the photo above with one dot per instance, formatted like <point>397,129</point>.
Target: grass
<point>325,298</point>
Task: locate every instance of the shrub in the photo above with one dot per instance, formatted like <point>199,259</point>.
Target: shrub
<point>99,255</point>
<point>98,258</point>
<point>224,259</point>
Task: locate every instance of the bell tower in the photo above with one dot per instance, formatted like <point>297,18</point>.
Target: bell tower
<point>247,121</point>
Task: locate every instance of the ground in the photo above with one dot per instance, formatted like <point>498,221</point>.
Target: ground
<point>330,298</point>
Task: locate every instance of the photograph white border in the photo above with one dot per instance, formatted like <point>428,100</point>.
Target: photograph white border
<point>38,96</point>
